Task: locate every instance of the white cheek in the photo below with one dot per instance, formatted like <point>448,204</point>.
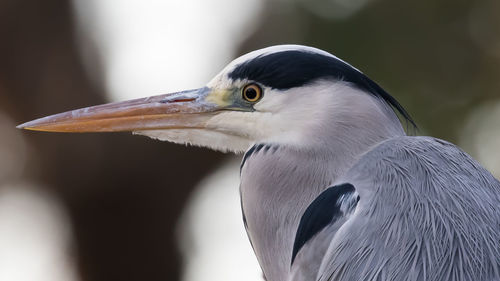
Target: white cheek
<point>292,113</point>
<point>273,101</point>
<point>248,125</point>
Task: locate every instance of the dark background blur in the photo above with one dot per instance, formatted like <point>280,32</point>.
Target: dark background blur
<point>123,194</point>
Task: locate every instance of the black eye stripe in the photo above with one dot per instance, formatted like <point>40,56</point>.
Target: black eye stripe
<point>295,68</point>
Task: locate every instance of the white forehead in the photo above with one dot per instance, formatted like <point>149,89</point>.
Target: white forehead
<point>222,80</point>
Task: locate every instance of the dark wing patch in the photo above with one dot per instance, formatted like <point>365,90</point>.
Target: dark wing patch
<point>294,68</point>
<point>324,210</point>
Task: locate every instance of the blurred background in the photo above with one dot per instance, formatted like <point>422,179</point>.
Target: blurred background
<point>92,207</point>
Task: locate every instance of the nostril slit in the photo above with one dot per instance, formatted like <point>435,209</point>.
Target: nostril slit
<point>178,100</point>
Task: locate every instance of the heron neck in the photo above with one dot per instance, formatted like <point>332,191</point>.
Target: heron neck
<point>279,181</point>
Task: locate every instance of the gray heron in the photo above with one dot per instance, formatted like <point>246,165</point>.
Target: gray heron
<point>332,188</point>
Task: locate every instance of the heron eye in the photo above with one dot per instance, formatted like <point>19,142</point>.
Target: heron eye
<point>252,92</point>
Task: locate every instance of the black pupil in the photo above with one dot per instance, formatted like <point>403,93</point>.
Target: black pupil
<point>251,93</point>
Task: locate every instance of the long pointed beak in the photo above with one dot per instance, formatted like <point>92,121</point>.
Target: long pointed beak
<point>187,109</point>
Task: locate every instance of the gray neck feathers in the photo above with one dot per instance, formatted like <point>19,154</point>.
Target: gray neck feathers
<point>279,180</point>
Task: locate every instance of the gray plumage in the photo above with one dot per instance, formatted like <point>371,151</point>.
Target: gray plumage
<point>428,212</point>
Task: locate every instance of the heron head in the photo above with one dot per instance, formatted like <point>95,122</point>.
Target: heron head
<point>277,94</point>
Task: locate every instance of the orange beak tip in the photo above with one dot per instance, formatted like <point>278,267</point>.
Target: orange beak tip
<point>28,126</point>
<point>175,110</point>
<point>23,126</point>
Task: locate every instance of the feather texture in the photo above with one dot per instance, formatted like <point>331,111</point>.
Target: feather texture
<point>428,212</point>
